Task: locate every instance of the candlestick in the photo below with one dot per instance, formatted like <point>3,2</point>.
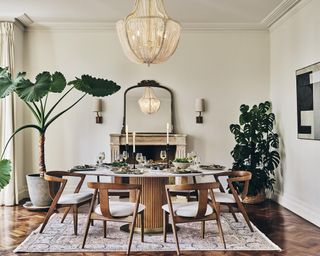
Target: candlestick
<point>134,141</point>
<point>168,127</point>
<point>167,152</point>
<point>127,134</point>
<point>127,150</point>
<point>134,160</point>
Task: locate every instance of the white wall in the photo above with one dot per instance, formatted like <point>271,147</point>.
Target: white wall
<point>227,68</point>
<point>295,43</point>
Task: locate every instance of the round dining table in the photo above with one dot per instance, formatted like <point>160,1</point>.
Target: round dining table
<point>153,194</point>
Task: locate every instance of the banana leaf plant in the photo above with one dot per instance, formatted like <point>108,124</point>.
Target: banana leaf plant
<point>257,146</point>
<point>35,95</point>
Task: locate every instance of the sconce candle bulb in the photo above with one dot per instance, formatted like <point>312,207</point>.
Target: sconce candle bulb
<point>97,107</point>
<point>199,107</point>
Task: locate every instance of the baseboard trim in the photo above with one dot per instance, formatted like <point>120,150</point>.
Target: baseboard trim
<point>310,213</point>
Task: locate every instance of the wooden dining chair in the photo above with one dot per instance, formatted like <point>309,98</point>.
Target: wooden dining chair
<point>235,198</point>
<point>73,201</point>
<point>115,211</point>
<point>198,211</point>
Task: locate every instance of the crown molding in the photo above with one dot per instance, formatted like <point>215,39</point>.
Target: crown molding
<point>222,26</point>
<point>72,26</point>
<point>279,12</point>
<point>111,26</point>
<point>22,21</point>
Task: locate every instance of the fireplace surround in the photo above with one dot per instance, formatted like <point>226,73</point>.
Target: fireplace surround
<point>150,144</point>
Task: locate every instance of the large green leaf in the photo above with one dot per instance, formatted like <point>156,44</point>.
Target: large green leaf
<point>273,139</point>
<point>29,91</point>
<point>95,86</point>
<point>264,107</point>
<point>235,128</point>
<point>5,168</point>
<point>272,160</point>
<point>244,108</point>
<point>7,85</point>
<point>58,82</point>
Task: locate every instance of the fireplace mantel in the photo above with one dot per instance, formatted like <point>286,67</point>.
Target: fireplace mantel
<point>149,139</point>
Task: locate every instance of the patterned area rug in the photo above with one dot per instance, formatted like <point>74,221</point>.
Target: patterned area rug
<point>58,237</point>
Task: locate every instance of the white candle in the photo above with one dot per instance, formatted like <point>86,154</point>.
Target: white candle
<point>134,141</point>
<point>127,134</point>
<point>168,127</point>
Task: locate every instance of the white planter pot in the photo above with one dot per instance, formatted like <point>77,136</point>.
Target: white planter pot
<point>38,190</point>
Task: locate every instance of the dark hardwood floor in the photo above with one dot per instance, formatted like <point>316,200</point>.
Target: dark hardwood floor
<point>293,234</point>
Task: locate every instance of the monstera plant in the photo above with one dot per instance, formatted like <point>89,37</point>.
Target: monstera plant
<point>257,146</point>
<point>35,95</point>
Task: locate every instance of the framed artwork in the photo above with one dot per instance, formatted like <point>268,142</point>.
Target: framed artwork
<point>308,102</point>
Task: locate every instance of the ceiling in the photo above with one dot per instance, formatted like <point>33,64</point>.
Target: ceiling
<point>109,11</point>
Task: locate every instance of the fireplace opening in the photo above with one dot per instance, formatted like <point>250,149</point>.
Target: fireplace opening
<point>152,152</point>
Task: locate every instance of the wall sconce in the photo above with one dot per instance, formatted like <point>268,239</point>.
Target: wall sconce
<point>199,107</point>
<point>97,107</point>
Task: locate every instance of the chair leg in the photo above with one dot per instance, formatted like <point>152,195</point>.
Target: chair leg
<point>75,219</point>
<point>67,210</point>
<point>105,229</point>
<point>165,226</point>
<point>203,228</point>
<point>46,219</point>
<point>133,224</point>
<point>142,226</point>
<point>245,215</point>
<point>220,226</point>
<point>233,213</point>
<point>86,231</point>
<point>175,235</point>
<point>92,223</point>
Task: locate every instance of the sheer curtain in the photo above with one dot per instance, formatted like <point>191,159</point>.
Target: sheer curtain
<point>9,195</point>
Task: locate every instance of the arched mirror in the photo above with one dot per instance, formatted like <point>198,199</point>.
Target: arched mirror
<point>148,107</point>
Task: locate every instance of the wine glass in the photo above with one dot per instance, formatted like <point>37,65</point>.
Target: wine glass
<point>101,157</point>
<point>144,160</point>
<point>163,154</point>
<point>119,158</point>
<point>125,155</point>
<point>139,157</point>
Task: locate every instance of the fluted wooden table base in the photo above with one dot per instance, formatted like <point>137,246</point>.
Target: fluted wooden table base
<point>153,197</point>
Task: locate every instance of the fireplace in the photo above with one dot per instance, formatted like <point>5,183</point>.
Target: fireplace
<point>149,145</point>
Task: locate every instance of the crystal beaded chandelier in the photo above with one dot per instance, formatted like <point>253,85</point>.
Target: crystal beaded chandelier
<point>149,103</point>
<point>148,35</point>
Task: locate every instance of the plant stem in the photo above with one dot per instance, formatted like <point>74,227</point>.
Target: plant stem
<point>62,112</point>
<point>18,130</point>
<point>42,113</point>
<point>42,164</point>
<point>56,104</point>
<point>37,109</point>
<point>33,112</point>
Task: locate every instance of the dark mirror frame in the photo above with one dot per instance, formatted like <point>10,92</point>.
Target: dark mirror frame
<point>147,83</point>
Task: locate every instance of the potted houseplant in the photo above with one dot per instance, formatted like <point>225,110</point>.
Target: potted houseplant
<point>35,95</point>
<point>256,148</point>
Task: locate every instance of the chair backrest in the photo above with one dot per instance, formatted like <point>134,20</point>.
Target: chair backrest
<point>203,190</point>
<point>103,190</point>
<point>241,177</point>
<point>57,183</point>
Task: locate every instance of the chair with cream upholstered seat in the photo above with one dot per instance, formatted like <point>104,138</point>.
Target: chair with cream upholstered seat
<point>115,211</point>
<point>57,183</point>
<point>234,199</point>
<point>198,211</point>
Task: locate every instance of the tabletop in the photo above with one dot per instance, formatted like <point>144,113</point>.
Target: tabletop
<point>148,173</point>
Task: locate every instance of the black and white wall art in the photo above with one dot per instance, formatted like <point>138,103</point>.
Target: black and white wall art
<point>308,102</point>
